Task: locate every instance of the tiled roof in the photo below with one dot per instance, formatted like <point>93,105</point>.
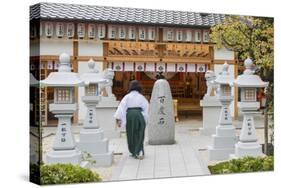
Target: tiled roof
<point>122,14</point>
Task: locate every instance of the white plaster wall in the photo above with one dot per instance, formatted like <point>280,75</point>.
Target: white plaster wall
<point>223,54</point>
<point>55,46</point>
<point>90,48</point>
<point>83,68</point>
<point>218,69</point>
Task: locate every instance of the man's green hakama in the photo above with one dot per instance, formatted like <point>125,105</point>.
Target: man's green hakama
<point>135,128</point>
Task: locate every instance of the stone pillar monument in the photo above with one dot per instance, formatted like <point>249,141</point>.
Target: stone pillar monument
<point>64,149</point>
<point>92,139</point>
<point>224,139</point>
<point>211,106</point>
<point>161,121</point>
<point>249,83</point>
<point>107,106</point>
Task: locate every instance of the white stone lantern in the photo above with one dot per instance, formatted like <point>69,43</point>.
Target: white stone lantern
<point>248,83</point>
<point>223,141</point>
<point>64,81</point>
<point>92,138</point>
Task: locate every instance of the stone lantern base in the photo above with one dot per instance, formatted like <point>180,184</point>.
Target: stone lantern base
<point>211,112</point>
<point>93,142</point>
<point>223,143</point>
<point>64,156</point>
<point>105,111</point>
<point>243,149</point>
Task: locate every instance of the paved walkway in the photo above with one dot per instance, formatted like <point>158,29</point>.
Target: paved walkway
<point>188,157</point>
<point>162,161</point>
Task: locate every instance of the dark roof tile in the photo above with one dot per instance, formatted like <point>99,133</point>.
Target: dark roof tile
<point>121,14</point>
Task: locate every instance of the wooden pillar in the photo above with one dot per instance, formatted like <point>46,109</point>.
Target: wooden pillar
<point>75,68</point>
<point>105,54</point>
<point>235,90</point>
<point>212,65</point>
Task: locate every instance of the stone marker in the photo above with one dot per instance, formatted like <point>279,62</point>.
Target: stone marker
<point>161,122</point>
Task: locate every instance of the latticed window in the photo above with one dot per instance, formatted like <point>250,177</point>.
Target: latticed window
<point>92,89</point>
<point>226,90</point>
<point>63,95</point>
<point>250,94</point>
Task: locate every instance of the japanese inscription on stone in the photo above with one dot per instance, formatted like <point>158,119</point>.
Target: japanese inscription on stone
<point>63,132</point>
<point>161,110</point>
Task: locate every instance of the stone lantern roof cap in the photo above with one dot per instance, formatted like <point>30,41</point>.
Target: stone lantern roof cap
<point>224,77</point>
<point>93,76</point>
<point>64,77</point>
<point>248,78</point>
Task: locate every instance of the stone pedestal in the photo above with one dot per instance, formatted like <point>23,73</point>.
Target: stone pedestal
<point>105,111</point>
<point>225,138</point>
<point>92,139</point>
<point>64,156</point>
<point>93,142</point>
<point>161,121</point>
<point>248,144</point>
<point>211,110</point>
<point>222,143</point>
<point>64,149</point>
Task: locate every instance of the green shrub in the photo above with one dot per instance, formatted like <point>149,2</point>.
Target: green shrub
<point>66,173</point>
<point>246,164</point>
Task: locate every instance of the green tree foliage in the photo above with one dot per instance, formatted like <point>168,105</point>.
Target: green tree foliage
<point>249,37</point>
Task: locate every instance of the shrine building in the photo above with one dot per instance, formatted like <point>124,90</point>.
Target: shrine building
<point>135,43</point>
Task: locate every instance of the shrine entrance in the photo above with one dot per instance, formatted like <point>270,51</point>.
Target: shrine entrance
<point>187,88</point>
<point>183,65</point>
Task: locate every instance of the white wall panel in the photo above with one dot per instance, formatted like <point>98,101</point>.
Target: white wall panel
<point>223,54</point>
<point>90,48</point>
<point>55,47</point>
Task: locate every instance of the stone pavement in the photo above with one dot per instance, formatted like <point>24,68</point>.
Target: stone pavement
<point>188,157</point>
<point>162,161</point>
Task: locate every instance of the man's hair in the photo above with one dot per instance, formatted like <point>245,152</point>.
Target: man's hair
<point>134,86</point>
